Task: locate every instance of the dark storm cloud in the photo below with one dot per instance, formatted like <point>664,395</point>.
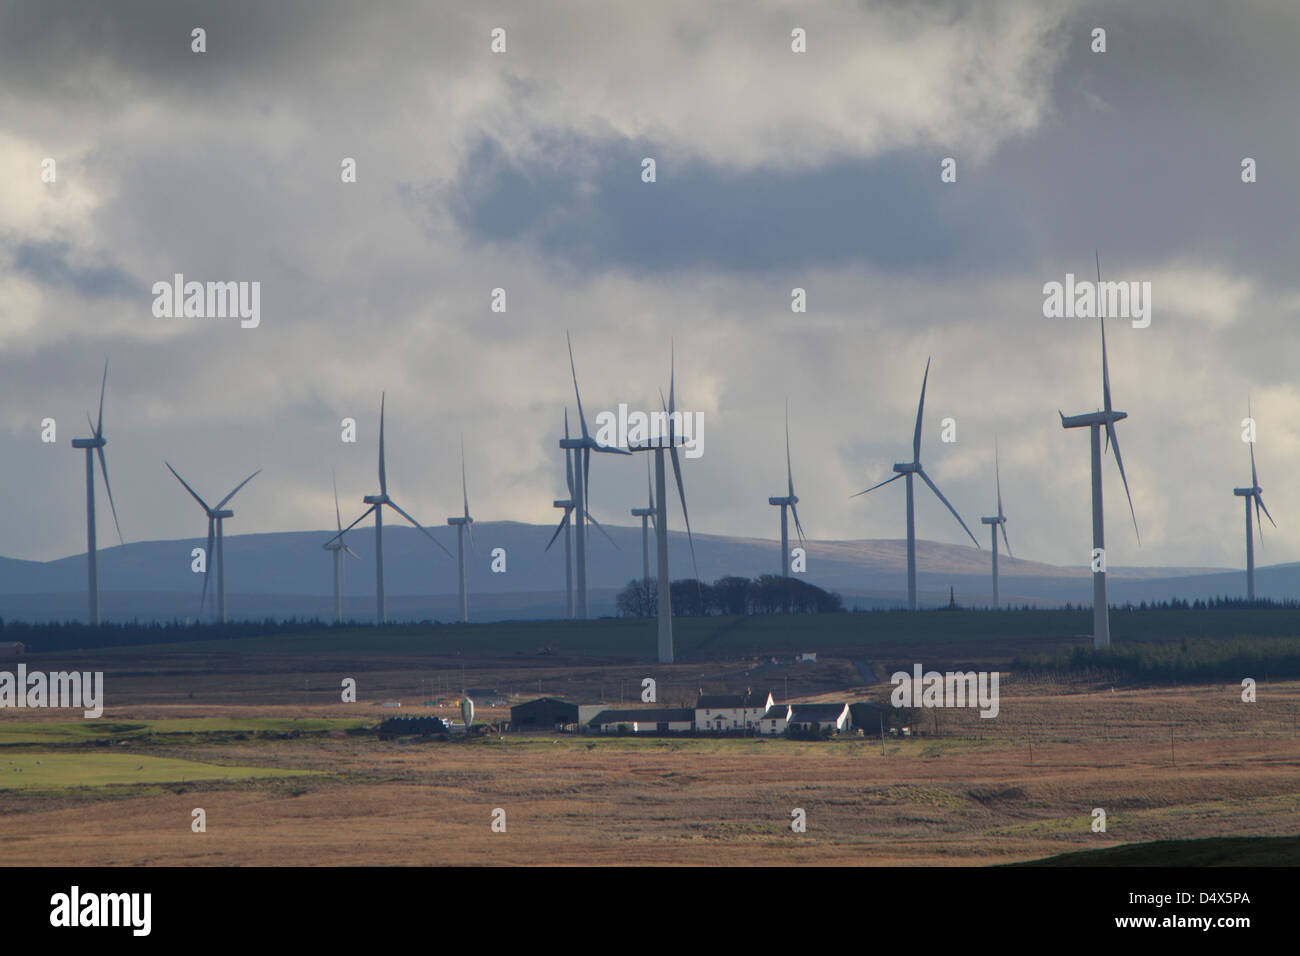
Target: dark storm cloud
<point>48,263</point>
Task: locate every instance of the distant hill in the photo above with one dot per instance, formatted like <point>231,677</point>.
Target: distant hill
<point>289,575</point>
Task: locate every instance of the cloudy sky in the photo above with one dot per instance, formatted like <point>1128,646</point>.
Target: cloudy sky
<point>522,170</point>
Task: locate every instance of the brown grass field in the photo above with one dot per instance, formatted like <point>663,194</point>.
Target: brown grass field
<point>965,794</point>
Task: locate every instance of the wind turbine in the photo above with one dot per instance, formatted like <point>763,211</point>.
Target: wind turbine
<point>377,503</point>
<point>461,523</point>
<point>338,546</point>
<point>584,446</point>
<point>567,505</point>
<point>647,516</point>
<point>658,446</point>
<point>789,501</point>
<point>216,519</point>
<point>1253,493</point>
<point>998,520</point>
<point>95,445</point>
<point>1106,418</point>
<point>908,469</point>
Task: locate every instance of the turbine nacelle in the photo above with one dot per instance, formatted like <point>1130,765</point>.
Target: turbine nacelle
<point>996,519</point>
<point>904,467</point>
<point>377,499</point>
<point>788,500</point>
<point>221,513</point>
<point>459,521</point>
<point>1092,418</point>
<point>1247,492</point>
<point>644,512</point>
<point>562,504</point>
<point>89,442</point>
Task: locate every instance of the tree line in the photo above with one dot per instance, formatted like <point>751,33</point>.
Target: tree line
<point>729,596</point>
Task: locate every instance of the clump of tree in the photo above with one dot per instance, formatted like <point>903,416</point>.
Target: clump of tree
<point>730,596</point>
<point>1179,661</point>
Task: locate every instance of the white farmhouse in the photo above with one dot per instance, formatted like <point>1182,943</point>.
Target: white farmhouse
<point>722,712</point>
<point>774,722</point>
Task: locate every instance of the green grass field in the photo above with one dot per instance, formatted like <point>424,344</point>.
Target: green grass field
<point>28,733</point>
<point>67,771</point>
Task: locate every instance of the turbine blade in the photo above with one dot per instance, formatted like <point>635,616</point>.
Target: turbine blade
<point>601,529</point>
<point>563,522</point>
<point>789,471</point>
<point>797,526</point>
<point>464,488</point>
<point>582,419</point>
<point>365,514</point>
<point>1004,539</point>
<point>103,468</point>
<point>1259,500</point>
<point>222,502</point>
<point>997,473</point>
<point>338,518</point>
<point>423,529</point>
<point>192,492</point>
<point>207,564</point>
<point>1254,478</point>
<point>347,550</point>
<point>681,493</point>
<point>649,488</point>
<point>1119,460</point>
<point>610,450</point>
<point>920,409</point>
<point>935,489</point>
<point>586,480</point>
<point>568,457</point>
<point>383,474</point>
<point>99,429</point>
<point>874,487</point>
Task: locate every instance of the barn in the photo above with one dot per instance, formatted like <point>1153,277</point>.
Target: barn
<point>544,712</point>
<point>819,717</point>
<point>775,720</point>
<point>12,649</point>
<point>645,720</point>
<point>871,717</point>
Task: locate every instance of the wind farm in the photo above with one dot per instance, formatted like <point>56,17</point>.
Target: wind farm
<point>504,219</point>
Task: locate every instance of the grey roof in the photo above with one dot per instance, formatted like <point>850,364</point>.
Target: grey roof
<point>721,701</point>
<point>646,715</point>
<point>776,712</point>
<point>822,713</point>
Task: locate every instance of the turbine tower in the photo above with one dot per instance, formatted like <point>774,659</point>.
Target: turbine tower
<point>377,503</point>
<point>789,501</point>
<point>216,519</point>
<point>338,547</point>
<point>1096,421</point>
<point>647,516</point>
<point>584,446</point>
<point>1256,494</point>
<point>567,505</point>
<point>95,445</point>
<point>461,523</point>
<point>998,520</point>
<point>658,444</point>
<point>907,470</point>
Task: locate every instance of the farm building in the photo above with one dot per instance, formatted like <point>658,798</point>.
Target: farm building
<point>719,712</point>
<point>775,720</point>
<point>12,649</point>
<point>870,716</point>
<point>588,711</point>
<point>819,716</point>
<point>646,721</point>
<point>548,712</point>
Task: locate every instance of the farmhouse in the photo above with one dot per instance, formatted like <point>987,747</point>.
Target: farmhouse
<point>818,717</point>
<point>12,649</point>
<point>547,712</point>
<point>646,721</point>
<point>775,720</point>
<point>719,712</point>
